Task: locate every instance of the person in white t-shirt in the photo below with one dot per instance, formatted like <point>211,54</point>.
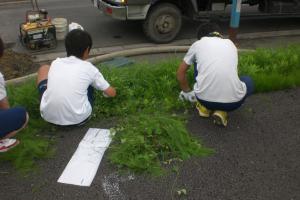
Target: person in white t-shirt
<point>12,119</point>
<point>66,87</point>
<point>218,88</point>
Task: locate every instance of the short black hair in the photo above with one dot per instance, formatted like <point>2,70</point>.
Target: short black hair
<point>207,28</point>
<point>77,41</point>
<point>1,47</point>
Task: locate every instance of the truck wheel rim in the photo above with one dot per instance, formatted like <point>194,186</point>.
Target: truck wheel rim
<point>165,24</point>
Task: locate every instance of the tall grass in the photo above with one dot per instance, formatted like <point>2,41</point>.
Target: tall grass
<point>272,69</point>
<point>148,133</point>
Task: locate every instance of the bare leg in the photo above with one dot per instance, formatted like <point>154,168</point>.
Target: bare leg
<point>42,73</point>
<point>12,134</point>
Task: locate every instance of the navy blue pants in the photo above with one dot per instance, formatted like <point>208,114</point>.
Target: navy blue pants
<point>11,120</point>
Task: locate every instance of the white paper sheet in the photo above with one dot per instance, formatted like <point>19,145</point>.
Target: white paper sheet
<point>84,163</point>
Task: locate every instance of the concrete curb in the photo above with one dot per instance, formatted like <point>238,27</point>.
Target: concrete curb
<point>15,2</point>
<point>129,52</point>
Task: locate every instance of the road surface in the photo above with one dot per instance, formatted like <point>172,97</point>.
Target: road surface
<point>109,32</point>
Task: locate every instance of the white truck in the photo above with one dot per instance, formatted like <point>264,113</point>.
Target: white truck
<point>162,19</point>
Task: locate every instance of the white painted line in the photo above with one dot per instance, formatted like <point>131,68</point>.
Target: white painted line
<point>84,163</point>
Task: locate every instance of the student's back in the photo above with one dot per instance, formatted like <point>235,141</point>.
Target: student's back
<point>66,87</point>
<point>65,101</point>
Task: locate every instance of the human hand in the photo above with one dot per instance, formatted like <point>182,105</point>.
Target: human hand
<point>188,96</point>
<point>105,95</point>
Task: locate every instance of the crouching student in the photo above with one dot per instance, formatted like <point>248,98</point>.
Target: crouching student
<point>12,120</point>
<point>66,87</point>
<point>218,89</point>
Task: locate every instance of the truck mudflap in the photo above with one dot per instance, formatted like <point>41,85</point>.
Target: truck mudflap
<point>116,12</point>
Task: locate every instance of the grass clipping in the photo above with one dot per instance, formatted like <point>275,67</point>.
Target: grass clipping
<point>144,142</point>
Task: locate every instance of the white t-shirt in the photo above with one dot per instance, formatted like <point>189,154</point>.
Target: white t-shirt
<point>2,87</point>
<point>217,79</point>
<point>65,102</point>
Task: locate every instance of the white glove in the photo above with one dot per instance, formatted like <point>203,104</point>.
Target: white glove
<point>188,96</point>
<point>74,25</point>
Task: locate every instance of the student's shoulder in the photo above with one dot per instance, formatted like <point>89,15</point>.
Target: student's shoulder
<point>89,66</point>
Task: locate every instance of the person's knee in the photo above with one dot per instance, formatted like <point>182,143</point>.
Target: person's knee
<point>42,73</point>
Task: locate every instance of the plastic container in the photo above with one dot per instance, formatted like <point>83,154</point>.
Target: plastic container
<point>61,25</point>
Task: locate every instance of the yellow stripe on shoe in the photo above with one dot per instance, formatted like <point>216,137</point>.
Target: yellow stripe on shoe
<point>203,111</point>
<point>220,118</point>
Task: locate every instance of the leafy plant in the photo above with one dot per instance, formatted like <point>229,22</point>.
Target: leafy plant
<point>144,141</point>
<point>272,69</point>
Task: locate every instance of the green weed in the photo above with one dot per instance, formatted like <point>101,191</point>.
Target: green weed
<point>272,69</point>
<point>144,141</point>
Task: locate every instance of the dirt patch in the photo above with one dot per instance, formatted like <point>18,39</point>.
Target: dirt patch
<point>13,64</point>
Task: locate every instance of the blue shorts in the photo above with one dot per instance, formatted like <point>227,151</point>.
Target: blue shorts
<point>42,87</point>
<point>230,106</point>
<point>11,120</point>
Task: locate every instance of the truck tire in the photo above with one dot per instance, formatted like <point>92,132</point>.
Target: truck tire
<point>162,23</point>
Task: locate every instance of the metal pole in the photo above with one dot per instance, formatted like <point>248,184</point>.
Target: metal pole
<point>235,19</point>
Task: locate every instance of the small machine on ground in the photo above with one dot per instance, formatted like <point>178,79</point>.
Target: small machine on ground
<point>37,32</point>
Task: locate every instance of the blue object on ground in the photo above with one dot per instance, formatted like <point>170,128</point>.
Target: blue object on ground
<point>118,62</point>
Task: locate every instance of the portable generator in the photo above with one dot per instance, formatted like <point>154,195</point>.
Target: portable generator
<point>38,31</point>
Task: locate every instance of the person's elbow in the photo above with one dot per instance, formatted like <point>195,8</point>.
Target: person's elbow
<point>111,92</point>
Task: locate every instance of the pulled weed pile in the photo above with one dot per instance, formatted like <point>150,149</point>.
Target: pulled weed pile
<point>143,142</point>
<point>150,132</point>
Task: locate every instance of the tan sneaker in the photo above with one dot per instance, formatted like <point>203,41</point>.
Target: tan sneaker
<point>220,118</point>
<point>203,111</point>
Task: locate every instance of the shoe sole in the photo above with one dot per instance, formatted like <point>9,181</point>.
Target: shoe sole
<point>218,120</point>
<point>10,147</point>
